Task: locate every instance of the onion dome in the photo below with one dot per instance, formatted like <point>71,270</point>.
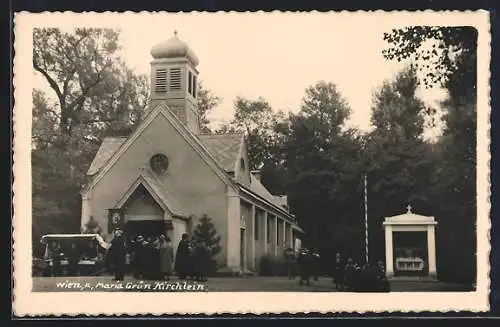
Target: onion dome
<point>174,48</point>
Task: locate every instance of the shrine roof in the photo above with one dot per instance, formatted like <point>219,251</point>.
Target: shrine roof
<point>409,218</point>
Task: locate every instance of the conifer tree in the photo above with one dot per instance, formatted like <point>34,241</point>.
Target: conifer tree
<point>206,232</point>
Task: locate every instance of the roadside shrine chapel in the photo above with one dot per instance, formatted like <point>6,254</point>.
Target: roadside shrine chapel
<point>166,175</point>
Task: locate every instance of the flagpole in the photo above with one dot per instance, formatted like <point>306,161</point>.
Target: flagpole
<point>366,219</point>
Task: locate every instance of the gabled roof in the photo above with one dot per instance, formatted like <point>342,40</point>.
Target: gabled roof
<point>192,139</point>
<point>108,147</point>
<point>409,218</point>
<point>224,147</point>
<point>158,191</point>
<point>257,187</point>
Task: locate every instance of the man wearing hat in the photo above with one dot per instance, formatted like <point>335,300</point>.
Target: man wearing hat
<point>304,261</point>
<point>117,253</point>
<point>139,254</point>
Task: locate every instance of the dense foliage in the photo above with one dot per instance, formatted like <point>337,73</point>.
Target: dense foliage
<point>311,154</point>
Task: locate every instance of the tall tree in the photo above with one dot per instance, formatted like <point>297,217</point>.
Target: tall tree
<point>256,119</point>
<point>448,56</point>
<point>399,165</point>
<point>92,92</point>
<point>322,159</point>
<point>207,102</point>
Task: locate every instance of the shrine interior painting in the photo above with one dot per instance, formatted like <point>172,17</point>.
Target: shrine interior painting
<point>410,254</point>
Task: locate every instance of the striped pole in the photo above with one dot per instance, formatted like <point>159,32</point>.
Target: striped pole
<point>366,219</point>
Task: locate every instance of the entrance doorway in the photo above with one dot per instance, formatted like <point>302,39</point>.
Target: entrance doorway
<point>143,215</point>
<point>410,253</point>
<point>146,228</point>
<point>242,248</point>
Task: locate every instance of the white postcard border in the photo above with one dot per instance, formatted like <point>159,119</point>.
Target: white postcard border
<point>28,303</point>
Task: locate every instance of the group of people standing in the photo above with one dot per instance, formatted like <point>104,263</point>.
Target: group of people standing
<point>347,275</point>
<point>193,259</point>
<point>351,276</point>
<point>153,258</point>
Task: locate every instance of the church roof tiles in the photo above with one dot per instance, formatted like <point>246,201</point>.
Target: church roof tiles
<point>109,146</point>
<point>224,148</point>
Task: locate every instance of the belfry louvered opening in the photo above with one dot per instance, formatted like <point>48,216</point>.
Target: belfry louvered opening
<point>175,79</point>
<point>161,81</point>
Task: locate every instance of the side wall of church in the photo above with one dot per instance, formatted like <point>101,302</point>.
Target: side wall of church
<point>190,181</point>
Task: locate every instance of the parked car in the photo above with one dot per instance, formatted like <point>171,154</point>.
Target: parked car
<point>89,249</point>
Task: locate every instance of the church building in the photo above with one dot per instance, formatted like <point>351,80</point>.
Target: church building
<point>165,175</point>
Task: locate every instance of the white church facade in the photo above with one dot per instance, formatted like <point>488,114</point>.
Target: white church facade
<point>165,175</point>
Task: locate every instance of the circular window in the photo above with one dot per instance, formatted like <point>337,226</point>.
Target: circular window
<point>159,163</point>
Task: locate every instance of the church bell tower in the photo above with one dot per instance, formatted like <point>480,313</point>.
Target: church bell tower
<point>174,80</point>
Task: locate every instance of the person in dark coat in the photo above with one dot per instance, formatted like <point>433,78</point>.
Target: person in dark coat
<point>304,261</point>
<point>73,260</point>
<point>117,253</point>
<point>147,259</point>
<point>56,257</point>
<point>316,265</point>
<point>290,262</point>
<point>191,265</point>
<point>356,278</point>
<point>339,272</point>
<point>156,273</point>
<point>369,279</point>
<point>142,258</point>
<point>137,257</point>
<point>383,283</point>
<point>350,271</point>
<point>202,259</point>
<point>182,257</point>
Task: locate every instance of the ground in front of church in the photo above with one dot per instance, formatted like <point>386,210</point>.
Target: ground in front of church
<point>242,284</point>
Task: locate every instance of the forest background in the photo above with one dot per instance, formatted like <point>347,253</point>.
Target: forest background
<point>311,155</point>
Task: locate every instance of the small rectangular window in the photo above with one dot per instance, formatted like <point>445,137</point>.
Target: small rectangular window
<point>175,79</point>
<point>190,81</point>
<point>257,226</point>
<point>161,81</point>
<point>194,86</point>
<point>268,236</point>
<point>278,233</point>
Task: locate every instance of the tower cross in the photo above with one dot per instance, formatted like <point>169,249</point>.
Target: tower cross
<point>408,207</point>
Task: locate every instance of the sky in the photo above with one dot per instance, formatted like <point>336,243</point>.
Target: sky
<point>275,56</point>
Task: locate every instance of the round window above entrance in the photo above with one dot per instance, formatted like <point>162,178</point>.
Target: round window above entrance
<point>159,163</point>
